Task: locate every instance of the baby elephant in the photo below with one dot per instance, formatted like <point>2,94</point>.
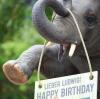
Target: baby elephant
<point>56,61</point>
<point>18,71</point>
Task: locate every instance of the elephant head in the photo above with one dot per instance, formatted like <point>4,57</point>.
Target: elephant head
<point>63,30</point>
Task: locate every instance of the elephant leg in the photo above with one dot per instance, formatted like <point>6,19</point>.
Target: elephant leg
<point>18,71</point>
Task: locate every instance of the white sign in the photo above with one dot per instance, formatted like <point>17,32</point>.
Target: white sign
<point>69,87</point>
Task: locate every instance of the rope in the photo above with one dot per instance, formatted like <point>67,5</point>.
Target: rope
<point>84,46</point>
<point>41,56</point>
<point>40,61</point>
<point>49,43</point>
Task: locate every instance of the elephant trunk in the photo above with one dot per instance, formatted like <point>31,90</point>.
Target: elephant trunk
<point>47,29</point>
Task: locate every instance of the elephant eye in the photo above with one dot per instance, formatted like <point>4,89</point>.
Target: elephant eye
<point>91,19</point>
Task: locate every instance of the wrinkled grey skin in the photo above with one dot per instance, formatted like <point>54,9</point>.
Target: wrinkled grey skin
<point>52,67</point>
<point>63,31</point>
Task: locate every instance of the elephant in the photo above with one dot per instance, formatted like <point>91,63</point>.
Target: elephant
<point>62,31</point>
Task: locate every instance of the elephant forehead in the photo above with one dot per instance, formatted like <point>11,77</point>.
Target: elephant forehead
<point>81,6</point>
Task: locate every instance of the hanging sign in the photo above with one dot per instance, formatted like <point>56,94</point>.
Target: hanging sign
<point>70,87</point>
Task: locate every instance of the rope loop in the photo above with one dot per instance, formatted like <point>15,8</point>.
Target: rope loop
<point>83,43</point>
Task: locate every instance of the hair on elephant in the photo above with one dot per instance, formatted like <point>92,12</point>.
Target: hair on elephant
<point>63,33</point>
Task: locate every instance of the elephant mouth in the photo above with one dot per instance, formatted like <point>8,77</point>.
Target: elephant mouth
<point>67,27</point>
<point>71,48</point>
